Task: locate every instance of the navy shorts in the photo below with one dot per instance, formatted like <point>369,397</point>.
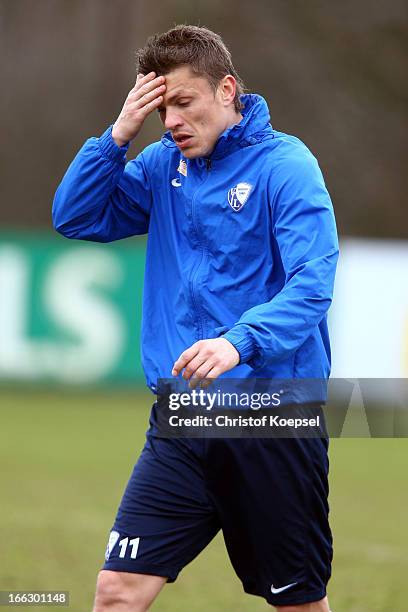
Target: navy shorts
<point>269,497</point>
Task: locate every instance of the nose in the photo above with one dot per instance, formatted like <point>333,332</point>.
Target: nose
<point>172,120</point>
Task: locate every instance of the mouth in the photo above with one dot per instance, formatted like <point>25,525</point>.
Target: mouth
<point>182,140</point>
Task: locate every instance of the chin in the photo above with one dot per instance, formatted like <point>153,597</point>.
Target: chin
<point>190,153</point>
<point>194,152</point>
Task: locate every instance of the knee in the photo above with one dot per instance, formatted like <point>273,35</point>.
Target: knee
<point>113,592</point>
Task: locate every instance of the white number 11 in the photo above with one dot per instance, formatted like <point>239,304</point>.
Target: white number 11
<point>123,546</point>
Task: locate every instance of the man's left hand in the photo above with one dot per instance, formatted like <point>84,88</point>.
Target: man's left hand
<point>206,359</point>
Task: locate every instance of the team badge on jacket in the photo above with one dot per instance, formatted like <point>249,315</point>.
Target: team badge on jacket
<point>238,196</point>
<point>182,167</point>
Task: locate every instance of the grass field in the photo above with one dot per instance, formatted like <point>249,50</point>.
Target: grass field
<point>65,459</point>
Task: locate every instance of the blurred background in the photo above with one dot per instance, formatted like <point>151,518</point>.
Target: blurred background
<point>73,405</point>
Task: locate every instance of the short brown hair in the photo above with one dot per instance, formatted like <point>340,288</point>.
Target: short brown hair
<point>200,48</point>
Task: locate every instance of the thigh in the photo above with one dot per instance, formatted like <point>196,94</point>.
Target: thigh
<point>271,495</point>
<point>165,517</point>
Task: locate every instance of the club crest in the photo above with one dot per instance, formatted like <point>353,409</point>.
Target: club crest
<point>113,538</point>
<point>238,196</point>
<point>182,167</point>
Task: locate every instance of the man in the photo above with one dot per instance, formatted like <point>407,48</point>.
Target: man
<point>240,266</point>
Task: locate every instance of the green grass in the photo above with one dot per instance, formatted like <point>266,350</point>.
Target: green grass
<point>65,459</point>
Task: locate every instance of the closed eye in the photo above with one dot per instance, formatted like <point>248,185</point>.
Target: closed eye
<point>163,110</point>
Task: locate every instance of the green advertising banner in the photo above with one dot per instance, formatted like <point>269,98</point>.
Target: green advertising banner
<point>70,311</point>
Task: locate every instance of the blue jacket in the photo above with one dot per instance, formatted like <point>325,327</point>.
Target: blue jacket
<point>241,245</point>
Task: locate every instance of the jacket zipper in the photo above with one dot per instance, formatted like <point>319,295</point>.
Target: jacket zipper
<point>194,300</point>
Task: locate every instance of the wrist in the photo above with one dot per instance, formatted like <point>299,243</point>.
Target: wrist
<point>109,148</point>
<point>118,138</point>
<point>242,342</point>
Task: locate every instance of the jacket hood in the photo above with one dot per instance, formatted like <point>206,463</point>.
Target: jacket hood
<point>253,127</point>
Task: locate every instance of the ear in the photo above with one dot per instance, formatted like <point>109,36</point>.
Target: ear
<point>227,89</point>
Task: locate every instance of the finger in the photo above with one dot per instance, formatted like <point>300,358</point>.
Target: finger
<point>215,372</point>
<point>185,358</point>
<point>200,374</point>
<point>206,382</point>
<point>146,104</point>
<point>135,103</point>
<point>149,86</point>
<point>153,105</point>
<point>148,108</point>
<point>145,84</point>
<point>147,77</point>
<point>193,365</point>
<point>151,95</point>
<point>141,79</point>
<point>181,362</point>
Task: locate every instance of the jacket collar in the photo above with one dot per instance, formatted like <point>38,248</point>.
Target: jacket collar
<point>253,127</point>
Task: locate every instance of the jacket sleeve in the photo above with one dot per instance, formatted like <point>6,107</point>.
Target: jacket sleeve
<point>305,231</point>
<point>101,197</point>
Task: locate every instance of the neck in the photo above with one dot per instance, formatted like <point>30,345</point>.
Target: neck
<point>233,119</point>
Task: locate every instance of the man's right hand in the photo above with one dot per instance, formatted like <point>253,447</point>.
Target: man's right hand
<point>145,97</point>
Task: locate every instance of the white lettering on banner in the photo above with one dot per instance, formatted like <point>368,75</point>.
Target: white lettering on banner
<point>73,304</point>
<point>14,346</point>
<point>78,309</point>
<point>369,316</point>
<point>86,332</point>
